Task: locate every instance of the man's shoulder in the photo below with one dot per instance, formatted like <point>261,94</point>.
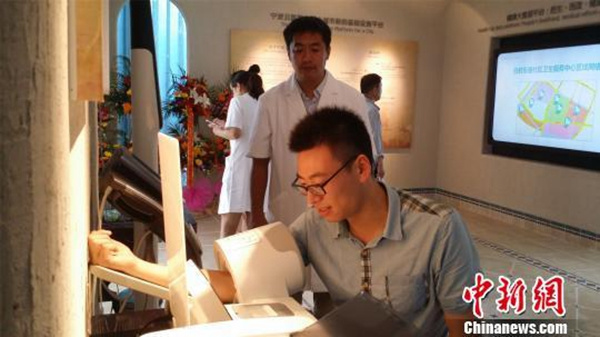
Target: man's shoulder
<point>276,90</point>
<point>345,87</point>
<point>414,203</point>
<point>347,96</point>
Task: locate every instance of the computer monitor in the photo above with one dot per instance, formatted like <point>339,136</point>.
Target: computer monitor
<point>135,190</point>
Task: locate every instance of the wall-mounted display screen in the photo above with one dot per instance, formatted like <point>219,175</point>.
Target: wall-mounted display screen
<point>543,97</point>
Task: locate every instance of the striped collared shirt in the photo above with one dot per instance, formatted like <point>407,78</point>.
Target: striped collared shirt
<point>420,264</point>
<point>311,104</point>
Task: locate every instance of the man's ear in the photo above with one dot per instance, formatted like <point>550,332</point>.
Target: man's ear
<point>370,93</point>
<point>328,50</point>
<point>364,168</point>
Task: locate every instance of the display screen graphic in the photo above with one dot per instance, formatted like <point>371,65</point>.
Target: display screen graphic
<point>543,97</point>
<point>549,98</point>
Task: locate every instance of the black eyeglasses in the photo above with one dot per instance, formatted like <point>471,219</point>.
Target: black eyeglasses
<point>319,189</point>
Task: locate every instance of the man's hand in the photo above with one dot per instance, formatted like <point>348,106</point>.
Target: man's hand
<point>258,188</point>
<point>258,219</point>
<point>109,253</point>
<point>112,254</point>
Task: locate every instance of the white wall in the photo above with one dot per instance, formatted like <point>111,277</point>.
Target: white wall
<point>558,193</point>
<point>209,23</point>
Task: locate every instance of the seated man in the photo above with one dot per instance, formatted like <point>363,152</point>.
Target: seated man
<point>359,234</point>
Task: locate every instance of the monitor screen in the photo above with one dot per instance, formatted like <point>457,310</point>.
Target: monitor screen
<point>135,190</point>
<point>542,97</point>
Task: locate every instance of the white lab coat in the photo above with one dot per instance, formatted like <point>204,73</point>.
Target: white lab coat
<point>279,110</point>
<point>235,192</point>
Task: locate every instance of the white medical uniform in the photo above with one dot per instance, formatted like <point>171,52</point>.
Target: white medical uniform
<point>235,192</point>
<point>280,109</point>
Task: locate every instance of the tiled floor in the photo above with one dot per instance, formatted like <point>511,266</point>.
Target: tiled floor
<point>208,230</point>
<point>521,251</point>
<point>514,250</point>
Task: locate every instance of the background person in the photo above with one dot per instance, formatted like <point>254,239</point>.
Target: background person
<point>311,86</point>
<point>234,200</point>
<point>371,88</point>
<point>308,42</point>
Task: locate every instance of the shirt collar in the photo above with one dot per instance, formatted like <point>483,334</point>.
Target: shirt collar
<point>372,102</point>
<point>318,91</point>
<point>393,226</point>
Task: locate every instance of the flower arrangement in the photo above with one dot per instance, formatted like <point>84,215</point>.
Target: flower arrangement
<point>189,103</point>
<point>209,153</point>
<point>220,96</point>
<point>114,111</point>
<point>189,100</point>
<point>187,96</point>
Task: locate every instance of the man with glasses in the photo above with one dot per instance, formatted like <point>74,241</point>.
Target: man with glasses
<point>362,235</point>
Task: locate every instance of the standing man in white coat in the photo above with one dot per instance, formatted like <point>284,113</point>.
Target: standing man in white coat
<point>310,87</point>
<point>308,41</point>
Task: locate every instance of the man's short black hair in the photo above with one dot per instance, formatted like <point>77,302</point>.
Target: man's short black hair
<point>304,24</point>
<point>340,129</point>
<point>368,82</point>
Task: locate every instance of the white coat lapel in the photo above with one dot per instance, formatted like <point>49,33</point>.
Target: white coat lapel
<point>331,92</point>
<point>294,101</point>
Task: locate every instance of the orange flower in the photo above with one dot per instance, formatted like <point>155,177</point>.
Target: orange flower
<point>126,107</point>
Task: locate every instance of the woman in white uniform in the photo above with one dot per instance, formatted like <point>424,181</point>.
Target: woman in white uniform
<point>234,202</point>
